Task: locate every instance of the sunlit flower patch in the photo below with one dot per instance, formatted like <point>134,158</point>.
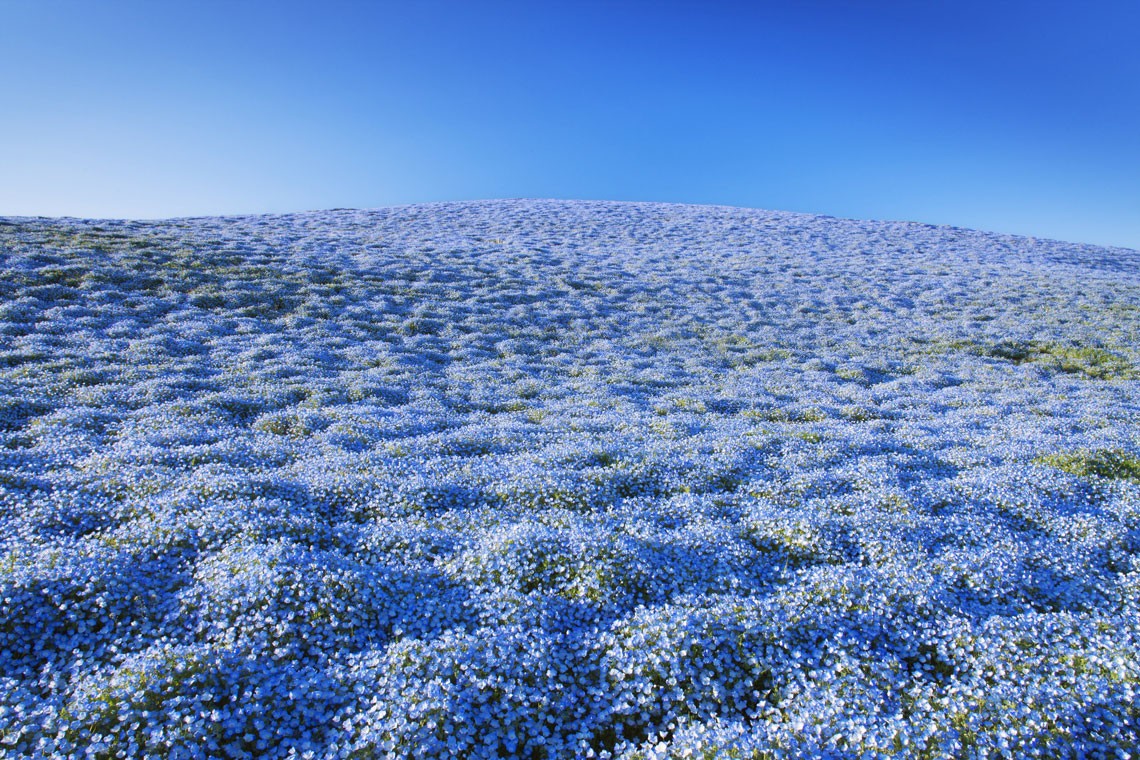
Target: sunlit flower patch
<point>565,479</point>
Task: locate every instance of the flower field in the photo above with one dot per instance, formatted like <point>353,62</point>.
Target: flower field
<point>547,479</point>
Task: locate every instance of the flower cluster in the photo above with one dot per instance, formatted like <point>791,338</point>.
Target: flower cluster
<point>563,479</point>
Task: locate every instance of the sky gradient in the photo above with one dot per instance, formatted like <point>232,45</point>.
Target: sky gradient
<point>1018,117</point>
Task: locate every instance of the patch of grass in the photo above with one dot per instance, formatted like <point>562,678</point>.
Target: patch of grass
<point>1089,361</point>
<point>782,414</point>
<point>855,413</point>
<point>811,414</point>
<point>1104,463</point>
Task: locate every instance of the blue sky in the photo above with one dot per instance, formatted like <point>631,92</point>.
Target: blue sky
<point>1010,116</point>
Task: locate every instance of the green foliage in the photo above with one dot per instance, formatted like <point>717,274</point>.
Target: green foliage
<point>1089,361</point>
<point>1103,463</point>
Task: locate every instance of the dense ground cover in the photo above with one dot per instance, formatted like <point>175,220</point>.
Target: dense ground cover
<point>556,479</point>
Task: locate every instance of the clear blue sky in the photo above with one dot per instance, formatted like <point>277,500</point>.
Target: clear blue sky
<point>1010,116</point>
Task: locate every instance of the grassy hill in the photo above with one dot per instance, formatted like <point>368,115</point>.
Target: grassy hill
<point>545,478</point>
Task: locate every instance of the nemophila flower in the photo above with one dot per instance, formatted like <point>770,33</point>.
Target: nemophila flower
<point>557,479</point>
<point>73,600</point>
<point>187,701</point>
<point>282,601</point>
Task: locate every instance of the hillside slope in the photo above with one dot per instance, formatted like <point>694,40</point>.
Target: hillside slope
<point>545,478</point>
